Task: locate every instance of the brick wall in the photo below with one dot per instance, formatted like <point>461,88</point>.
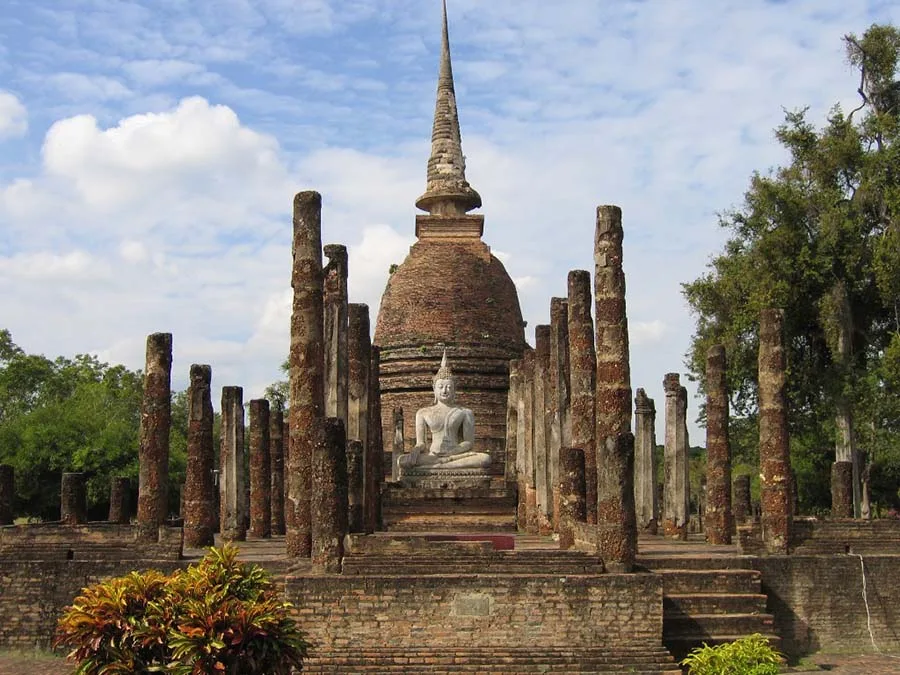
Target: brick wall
<point>33,595</point>
<point>478,610</point>
<point>818,601</point>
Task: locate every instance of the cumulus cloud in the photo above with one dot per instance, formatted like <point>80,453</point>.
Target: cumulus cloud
<point>13,116</point>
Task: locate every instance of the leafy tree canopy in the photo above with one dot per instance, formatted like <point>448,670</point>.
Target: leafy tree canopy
<point>820,238</point>
<point>77,414</point>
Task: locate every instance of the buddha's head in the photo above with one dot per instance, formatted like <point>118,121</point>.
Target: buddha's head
<point>444,383</point>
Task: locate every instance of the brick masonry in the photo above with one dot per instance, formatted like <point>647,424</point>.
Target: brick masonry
<point>478,610</point>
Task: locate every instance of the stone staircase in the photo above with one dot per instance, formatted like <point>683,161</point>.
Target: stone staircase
<point>460,559</point>
<point>710,600</point>
<point>424,509</point>
<point>599,661</point>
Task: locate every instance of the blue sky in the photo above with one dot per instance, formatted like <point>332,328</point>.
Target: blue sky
<point>150,150</point>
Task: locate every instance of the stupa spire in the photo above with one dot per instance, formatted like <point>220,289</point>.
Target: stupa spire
<point>447,191</point>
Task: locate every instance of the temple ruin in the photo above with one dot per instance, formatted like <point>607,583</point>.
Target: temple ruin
<point>445,497</point>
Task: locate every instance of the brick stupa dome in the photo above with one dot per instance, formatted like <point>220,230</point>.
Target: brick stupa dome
<point>452,293</point>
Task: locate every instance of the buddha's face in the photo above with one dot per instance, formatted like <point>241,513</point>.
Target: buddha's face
<point>445,391</point>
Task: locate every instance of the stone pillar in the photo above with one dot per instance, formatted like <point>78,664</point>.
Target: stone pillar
<point>512,421</point>
<point>329,496</point>
<point>529,419</point>
<point>375,477</point>
<point>676,505</point>
<point>260,470</point>
<point>232,478</point>
<point>336,345</point>
<point>359,388</point>
<point>7,493</point>
<point>560,431</point>
<point>73,499</point>
<point>199,517</point>
<point>613,438</point>
<point>645,493</point>
<point>399,444</point>
<point>571,494</point>
<point>307,368</point>
<point>119,511</point>
<point>276,458</point>
<point>522,428</point>
<point>156,421</point>
<point>542,429</point>
<point>742,510</point>
<point>719,525</point>
<point>842,490</point>
<point>583,381</point>
<point>774,452</point>
<point>356,515</point>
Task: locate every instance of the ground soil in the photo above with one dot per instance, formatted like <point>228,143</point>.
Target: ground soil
<point>837,664</point>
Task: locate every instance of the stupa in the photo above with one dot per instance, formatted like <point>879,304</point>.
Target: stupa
<point>450,293</point>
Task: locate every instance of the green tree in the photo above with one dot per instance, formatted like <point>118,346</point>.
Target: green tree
<point>819,237</point>
<point>75,414</point>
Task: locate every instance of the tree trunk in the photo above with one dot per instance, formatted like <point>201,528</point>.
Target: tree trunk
<point>838,320</point>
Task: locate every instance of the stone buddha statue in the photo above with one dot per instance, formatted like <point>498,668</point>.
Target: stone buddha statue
<point>452,430</point>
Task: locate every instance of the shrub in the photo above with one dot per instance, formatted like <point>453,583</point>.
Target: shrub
<point>217,616</point>
<point>751,655</point>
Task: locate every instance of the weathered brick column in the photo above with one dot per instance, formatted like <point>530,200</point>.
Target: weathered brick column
<point>542,429</point>
<point>232,477</point>
<point>7,493</point>
<point>199,517</point>
<point>73,499</point>
<point>774,452</point>
<point>513,397</point>
<point>529,420</point>
<point>399,443</point>
<point>307,368</point>
<point>742,511</point>
<point>287,463</point>
<point>329,496</point>
<point>276,458</point>
<point>260,470</point>
<point>842,490</point>
<point>583,381</point>
<point>676,502</point>
<point>719,523</point>
<point>571,491</point>
<point>645,492</point>
<point>375,477</point>
<point>119,511</point>
<point>560,429</point>
<point>336,345</point>
<point>613,438</point>
<point>355,519</point>
<point>156,421</point>
<point>359,387</point>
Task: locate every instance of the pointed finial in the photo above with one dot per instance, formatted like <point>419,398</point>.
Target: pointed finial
<point>444,372</point>
<point>447,191</point>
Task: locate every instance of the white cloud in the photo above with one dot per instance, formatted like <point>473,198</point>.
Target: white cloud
<point>369,262</point>
<point>46,265</point>
<point>13,116</point>
<point>81,87</point>
<point>159,72</point>
<point>646,332</point>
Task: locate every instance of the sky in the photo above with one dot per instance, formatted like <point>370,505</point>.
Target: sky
<point>150,151</point>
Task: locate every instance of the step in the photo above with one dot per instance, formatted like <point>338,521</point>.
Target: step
<point>683,581</point>
<point>646,661</point>
<point>693,562</point>
<point>444,522</point>
<point>713,625</point>
<point>713,603</point>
